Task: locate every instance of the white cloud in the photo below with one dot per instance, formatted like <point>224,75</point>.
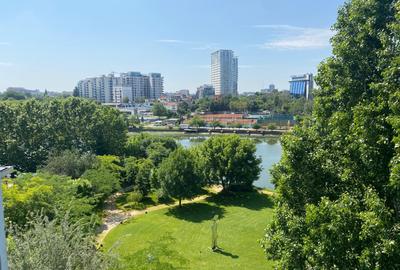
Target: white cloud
<point>288,37</point>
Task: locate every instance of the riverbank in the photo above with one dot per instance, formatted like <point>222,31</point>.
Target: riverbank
<point>213,131</point>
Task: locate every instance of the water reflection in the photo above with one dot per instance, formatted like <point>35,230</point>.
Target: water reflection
<point>269,149</point>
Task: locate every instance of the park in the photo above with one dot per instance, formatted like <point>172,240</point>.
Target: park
<point>181,238</point>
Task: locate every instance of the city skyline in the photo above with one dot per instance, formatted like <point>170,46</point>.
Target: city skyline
<point>48,45</point>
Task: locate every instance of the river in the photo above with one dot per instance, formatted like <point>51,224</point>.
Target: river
<point>268,149</point>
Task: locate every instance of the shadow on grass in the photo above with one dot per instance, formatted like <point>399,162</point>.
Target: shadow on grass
<point>226,253</point>
<point>196,212</point>
<point>253,200</point>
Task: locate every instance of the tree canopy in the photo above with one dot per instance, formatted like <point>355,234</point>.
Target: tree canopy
<point>337,182</point>
<point>31,129</point>
<point>229,161</point>
<point>177,175</point>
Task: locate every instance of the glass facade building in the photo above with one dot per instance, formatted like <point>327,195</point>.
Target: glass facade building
<point>302,85</point>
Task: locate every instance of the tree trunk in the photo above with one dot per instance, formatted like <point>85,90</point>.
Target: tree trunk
<point>180,202</point>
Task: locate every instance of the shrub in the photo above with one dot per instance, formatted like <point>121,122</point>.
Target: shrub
<point>134,196</point>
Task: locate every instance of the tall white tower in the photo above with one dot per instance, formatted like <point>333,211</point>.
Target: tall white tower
<point>224,72</point>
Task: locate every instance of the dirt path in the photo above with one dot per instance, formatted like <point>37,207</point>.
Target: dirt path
<point>114,217</point>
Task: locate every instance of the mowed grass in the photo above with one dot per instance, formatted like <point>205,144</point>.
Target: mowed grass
<point>243,218</point>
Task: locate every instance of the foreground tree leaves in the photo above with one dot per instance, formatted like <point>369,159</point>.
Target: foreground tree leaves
<point>52,245</point>
<point>338,180</point>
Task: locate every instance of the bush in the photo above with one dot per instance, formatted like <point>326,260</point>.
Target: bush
<point>160,196</point>
<point>57,244</point>
<point>134,196</point>
<point>133,205</point>
<point>70,163</point>
<point>272,127</point>
<point>256,126</point>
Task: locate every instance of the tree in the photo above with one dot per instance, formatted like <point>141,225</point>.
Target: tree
<point>141,145</point>
<point>56,244</point>
<point>157,152</point>
<point>75,92</point>
<point>44,192</point>
<point>159,109</point>
<point>177,175</point>
<point>337,182</point>
<point>238,104</point>
<point>20,199</point>
<point>102,182</point>
<point>125,100</point>
<point>183,108</point>
<point>272,126</point>
<point>197,122</point>
<point>215,124</point>
<point>229,161</point>
<point>36,128</point>
<point>138,174</point>
<point>70,163</point>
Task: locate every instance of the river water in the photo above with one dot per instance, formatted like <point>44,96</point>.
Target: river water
<point>268,149</point>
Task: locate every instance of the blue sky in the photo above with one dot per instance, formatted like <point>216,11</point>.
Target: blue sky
<point>53,44</point>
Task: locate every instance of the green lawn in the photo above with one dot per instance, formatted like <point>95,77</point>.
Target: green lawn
<point>182,237</point>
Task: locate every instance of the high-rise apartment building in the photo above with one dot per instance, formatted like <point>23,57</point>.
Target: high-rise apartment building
<point>130,85</point>
<point>302,85</point>
<point>156,85</point>
<point>224,72</point>
<point>205,90</point>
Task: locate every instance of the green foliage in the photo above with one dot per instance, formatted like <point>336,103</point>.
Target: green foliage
<point>159,109</point>
<point>196,121</point>
<point>183,108</point>
<point>21,198</point>
<point>276,102</point>
<point>238,104</point>
<point>139,144</point>
<point>215,124</point>
<point>178,177</point>
<point>125,100</point>
<point>56,244</point>
<point>134,197</point>
<point>272,127</point>
<point>111,163</point>
<point>133,121</point>
<point>138,174</point>
<point>35,128</point>
<point>337,182</point>
<point>229,161</point>
<point>70,163</point>
<point>45,193</point>
<point>157,152</point>
<point>13,95</point>
<point>256,126</point>
<point>102,183</point>
<point>75,92</point>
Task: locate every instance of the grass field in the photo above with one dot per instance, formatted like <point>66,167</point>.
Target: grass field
<point>180,238</point>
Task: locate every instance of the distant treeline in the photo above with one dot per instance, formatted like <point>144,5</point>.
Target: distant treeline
<point>280,102</point>
<point>31,129</point>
